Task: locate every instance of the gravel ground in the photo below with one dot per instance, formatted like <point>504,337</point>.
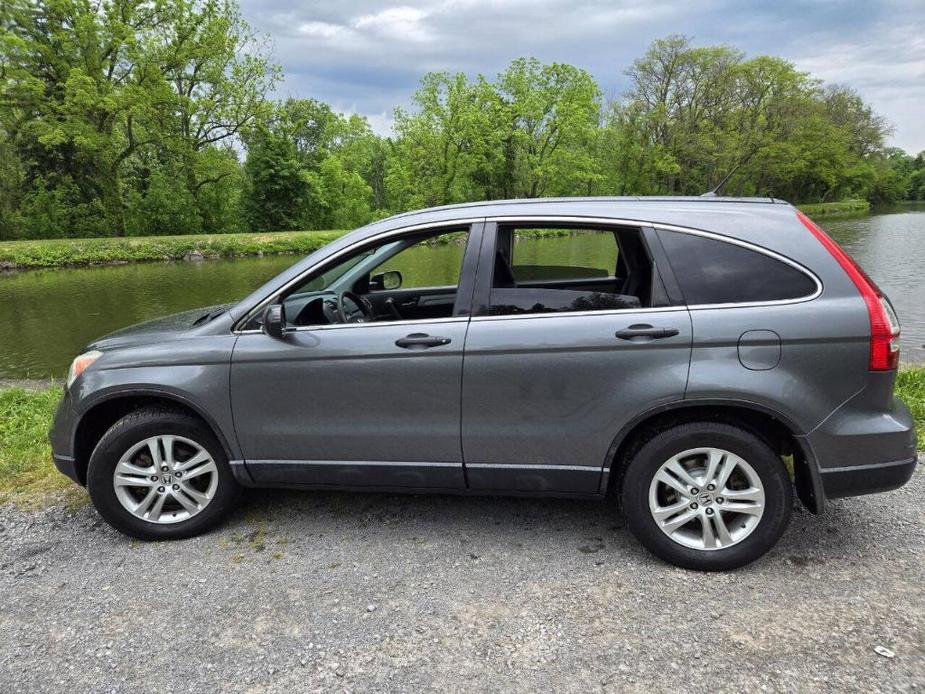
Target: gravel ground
<point>325,591</point>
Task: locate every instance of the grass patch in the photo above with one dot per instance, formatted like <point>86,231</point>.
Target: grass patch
<point>27,473</point>
<point>47,253</point>
<point>910,386</point>
<point>831,209</point>
<point>25,454</point>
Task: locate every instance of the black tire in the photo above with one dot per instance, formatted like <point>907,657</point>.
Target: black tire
<point>649,458</point>
<point>130,430</point>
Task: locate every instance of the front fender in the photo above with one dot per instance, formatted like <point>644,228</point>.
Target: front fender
<point>193,373</point>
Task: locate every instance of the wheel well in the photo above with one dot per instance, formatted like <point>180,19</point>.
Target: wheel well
<point>100,418</point>
<point>763,425</point>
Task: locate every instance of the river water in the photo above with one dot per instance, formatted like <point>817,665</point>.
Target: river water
<point>47,316</point>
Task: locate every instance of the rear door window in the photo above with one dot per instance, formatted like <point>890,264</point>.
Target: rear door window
<point>560,269</point>
<point>710,271</point>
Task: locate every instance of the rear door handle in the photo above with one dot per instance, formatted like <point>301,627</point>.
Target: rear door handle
<point>645,331</point>
<point>421,341</point>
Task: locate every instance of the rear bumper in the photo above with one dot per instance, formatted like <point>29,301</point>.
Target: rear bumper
<point>866,479</point>
<point>863,449</point>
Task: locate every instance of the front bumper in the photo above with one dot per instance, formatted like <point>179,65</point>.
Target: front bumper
<point>66,466</point>
<point>61,436</point>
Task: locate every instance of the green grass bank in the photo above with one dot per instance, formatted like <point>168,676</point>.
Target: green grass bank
<point>26,470</point>
<point>52,253</point>
<point>835,209</point>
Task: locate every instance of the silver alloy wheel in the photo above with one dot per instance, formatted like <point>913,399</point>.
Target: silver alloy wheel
<point>165,479</point>
<point>706,498</point>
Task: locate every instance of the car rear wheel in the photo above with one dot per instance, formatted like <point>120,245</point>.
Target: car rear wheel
<point>707,496</point>
<point>160,474</point>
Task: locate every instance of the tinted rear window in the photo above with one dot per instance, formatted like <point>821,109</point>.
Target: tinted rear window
<point>716,272</point>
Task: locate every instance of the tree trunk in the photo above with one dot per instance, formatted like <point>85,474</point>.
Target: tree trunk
<point>111,196</point>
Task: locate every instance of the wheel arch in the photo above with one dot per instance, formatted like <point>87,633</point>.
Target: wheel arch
<point>106,411</point>
<point>777,430</point>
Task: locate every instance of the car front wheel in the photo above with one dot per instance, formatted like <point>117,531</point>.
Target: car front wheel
<point>707,496</point>
<point>160,474</point>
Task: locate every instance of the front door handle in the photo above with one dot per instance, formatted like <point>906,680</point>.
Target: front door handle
<point>644,331</point>
<point>421,341</point>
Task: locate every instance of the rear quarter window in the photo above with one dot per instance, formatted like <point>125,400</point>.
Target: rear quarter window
<point>710,271</point>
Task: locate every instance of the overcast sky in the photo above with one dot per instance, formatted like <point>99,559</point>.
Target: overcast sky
<point>367,57</point>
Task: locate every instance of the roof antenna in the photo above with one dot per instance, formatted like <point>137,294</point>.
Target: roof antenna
<point>716,191</point>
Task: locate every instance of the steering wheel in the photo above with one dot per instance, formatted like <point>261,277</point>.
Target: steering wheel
<point>348,307</point>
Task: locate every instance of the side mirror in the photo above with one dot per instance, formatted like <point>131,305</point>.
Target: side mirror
<point>385,280</point>
<point>274,321</point>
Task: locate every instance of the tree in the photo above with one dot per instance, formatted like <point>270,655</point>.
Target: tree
<point>335,156</point>
<point>219,74</point>
<point>279,187</point>
<point>698,116</point>
<point>436,150</point>
<point>552,111</point>
<point>528,134</point>
<point>89,85</point>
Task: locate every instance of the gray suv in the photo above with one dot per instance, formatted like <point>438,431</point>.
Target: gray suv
<point>696,359</point>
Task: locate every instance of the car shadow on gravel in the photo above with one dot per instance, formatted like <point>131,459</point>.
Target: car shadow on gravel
<point>442,510</point>
<point>587,526</point>
<point>848,529</point>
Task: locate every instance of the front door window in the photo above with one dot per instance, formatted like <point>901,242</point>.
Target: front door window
<point>414,277</point>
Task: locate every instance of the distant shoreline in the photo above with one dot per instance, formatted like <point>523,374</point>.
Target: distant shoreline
<point>59,253</point>
<point>832,209</point>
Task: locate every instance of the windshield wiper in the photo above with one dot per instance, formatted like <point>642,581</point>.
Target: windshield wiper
<point>206,317</point>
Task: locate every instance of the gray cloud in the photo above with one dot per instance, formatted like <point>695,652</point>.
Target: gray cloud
<point>367,57</point>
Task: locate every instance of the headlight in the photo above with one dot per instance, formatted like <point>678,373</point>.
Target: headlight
<point>80,364</point>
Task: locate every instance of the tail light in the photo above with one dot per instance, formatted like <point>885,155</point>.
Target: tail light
<point>884,325</point>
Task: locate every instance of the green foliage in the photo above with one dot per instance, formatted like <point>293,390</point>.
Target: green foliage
<point>529,134</point>
<point>90,93</point>
<point>59,209</point>
<point>434,158</point>
<point>897,176</point>
<point>311,168</point>
<point>130,118</point>
<point>279,187</point>
<point>553,111</point>
<point>161,206</point>
<point>692,119</point>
